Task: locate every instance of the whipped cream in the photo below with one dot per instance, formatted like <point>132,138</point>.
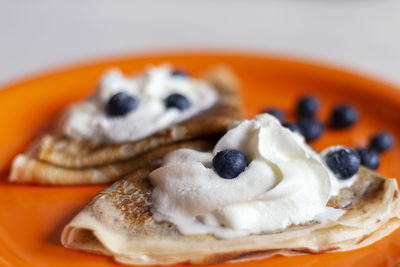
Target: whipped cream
<point>88,120</point>
<point>285,183</point>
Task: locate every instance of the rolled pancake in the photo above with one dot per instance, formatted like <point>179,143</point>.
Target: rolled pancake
<point>118,222</point>
<point>59,160</point>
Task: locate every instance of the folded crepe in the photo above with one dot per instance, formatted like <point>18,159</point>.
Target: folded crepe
<point>57,159</point>
<point>118,222</point>
<point>141,219</point>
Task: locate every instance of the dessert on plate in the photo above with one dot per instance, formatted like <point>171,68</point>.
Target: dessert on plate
<point>130,123</point>
<point>262,191</point>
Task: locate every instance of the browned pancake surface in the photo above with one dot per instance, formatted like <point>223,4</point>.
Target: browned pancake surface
<point>129,202</point>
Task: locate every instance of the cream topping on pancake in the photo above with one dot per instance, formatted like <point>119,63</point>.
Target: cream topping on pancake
<point>285,183</point>
<point>88,119</point>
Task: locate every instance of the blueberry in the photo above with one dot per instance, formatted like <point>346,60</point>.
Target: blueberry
<point>229,163</point>
<point>180,73</point>
<point>177,101</point>
<point>292,126</point>
<point>343,162</point>
<point>307,106</point>
<point>310,128</point>
<point>369,157</point>
<point>120,104</point>
<point>276,113</point>
<point>343,116</point>
<point>382,141</point>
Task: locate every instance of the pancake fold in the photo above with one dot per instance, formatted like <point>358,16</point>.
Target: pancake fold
<point>55,159</point>
<point>118,222</point>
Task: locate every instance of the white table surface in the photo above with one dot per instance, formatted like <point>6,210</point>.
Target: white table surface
<point>359,34</point>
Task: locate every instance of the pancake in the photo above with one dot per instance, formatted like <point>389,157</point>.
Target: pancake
<point>119,223</point>
<point>58,160</point>
<point>31,170</point>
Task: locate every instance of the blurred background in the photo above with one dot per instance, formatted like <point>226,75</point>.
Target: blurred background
<point>363,35</point>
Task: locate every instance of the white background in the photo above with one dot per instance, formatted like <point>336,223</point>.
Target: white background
<point>361,34</point>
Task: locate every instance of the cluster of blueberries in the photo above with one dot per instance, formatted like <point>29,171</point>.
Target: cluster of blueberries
<point>343,161</point>
<point>342,117</point>
<point>122,103</point>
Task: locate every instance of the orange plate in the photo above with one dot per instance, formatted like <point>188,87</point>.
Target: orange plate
<point>32,217</point>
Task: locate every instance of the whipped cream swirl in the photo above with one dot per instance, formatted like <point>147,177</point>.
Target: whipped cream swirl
<point>285,183</point>
<point>88,119</point>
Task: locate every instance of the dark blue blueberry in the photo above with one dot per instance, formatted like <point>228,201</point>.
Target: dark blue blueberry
<point>229,163</point>
<point>177,101</point>
<point>369,157</point>
<point>343,116</point>
<point>343,162</point>
<point>307,106</point>
<point>310,128</point>
<point>382,141</point>
<point>292,126</point>
<point>276,113</point>
<point>120,104</point>
<point>180,73</point>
